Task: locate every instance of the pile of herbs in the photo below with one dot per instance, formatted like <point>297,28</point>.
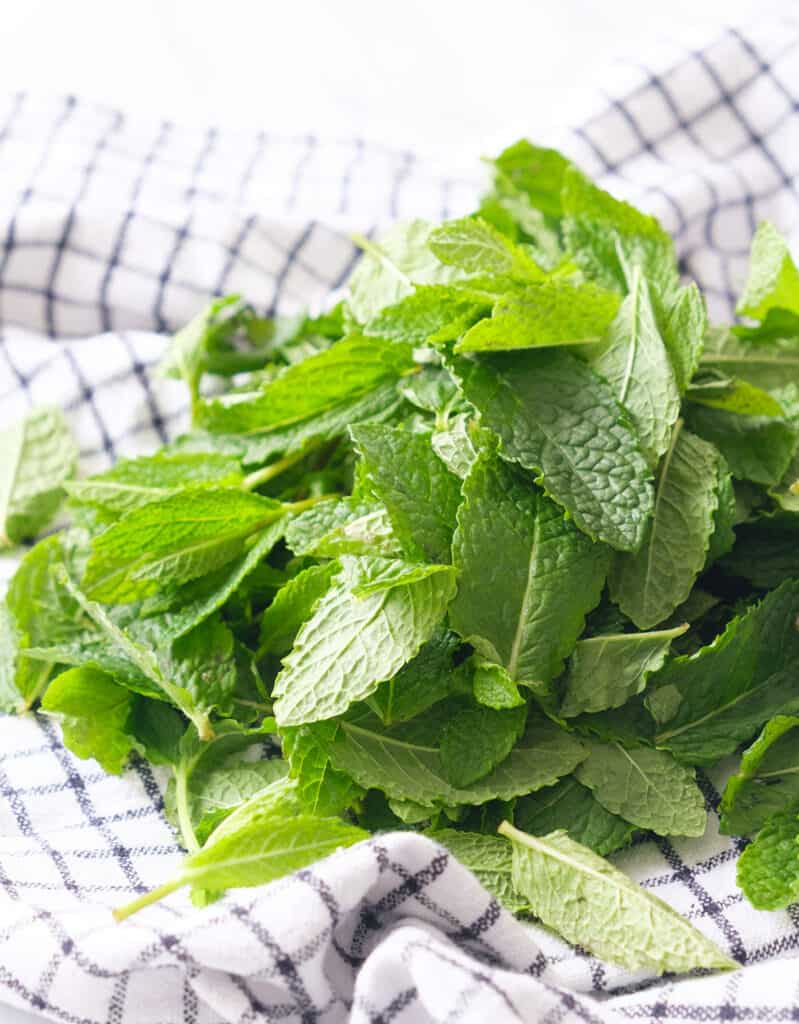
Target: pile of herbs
<point>502,548</point>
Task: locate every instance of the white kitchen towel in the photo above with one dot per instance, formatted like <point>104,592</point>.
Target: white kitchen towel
<point>112,233</point>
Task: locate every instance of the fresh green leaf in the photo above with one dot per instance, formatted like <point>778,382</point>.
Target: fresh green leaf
<point>424,316</point>
<point>493,687</point>
<point>352,644</point>
<point>556,417</point>
<point>570,806</point>
<point>425,680</point>
<point>645,787</point>
<point>606,671</point>
<point>770,363</point>
<point>405,763</point>
<point>419,492</point>
<point>134,482</point>
<point>476,247</point>
<point>174,540</point>
<point>766,782</point>
<point>554,312</point>
<point>768,869</point>
<point>94,713</point>
<point>490,860</point>
<point>37,455</point>
<point>635,362</point>
<point>594,905</point>
<point>650,583</point>
<point>683,327</point>
<point>527,576</point>
<point>773,278</point>
<point>476,740</point>
<point>321,788</point>
<point>292,606</point>
<point>708,703</point>
<point>536,172</point>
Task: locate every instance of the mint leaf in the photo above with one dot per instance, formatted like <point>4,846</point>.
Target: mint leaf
<point>649,584</point>
<point>768,869</point>
<point>419,492</point>
<point>758,448</point>
<point>768,364</point>
<point>456,444</point>
<point>636,364</point>
<point>557,418</point>
<point>476,740</point>
<point>334,378</point>
<point>37,455</point>
<point>353,643</point>
<point>767,780</point>
<point>390,268</point>
<point>476,247</point>
<point>708,703</point>
<point>554,312</point>
<point>493,687</point>
<point>683,327</point>
<point>425,680</point>
<point>175,539</point>
<point>94,713</point>
<point>292,606</point>
<point>535,171</point>
<point>429,314</point>
<point>527,576</point>
<point>490,860</point>
<point>645,787</point>
<point>570,806</point>
<point>773,278</point>
<point>346,527</point>
<point>321,788</point>
<point>606,671</point>
<point>607,237</point>
<point>134,482</point>
<point>594,905</point>
<point>405,762</point>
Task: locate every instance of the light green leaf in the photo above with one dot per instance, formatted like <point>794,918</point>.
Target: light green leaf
<point>592,904</point>
<point>390,268</point>
<point>607,237</point>
<point>493,687</point>
<point>554,312</point>
<point>649,584</point>
<point>348,370</point>
<point>292,606</point>
<point>456,444</point>
<point>634,361</point>
<point>535,171</point>
<point>186,356</point>
<point>476,247</point>
<point>94,714</point>
<point>346,527</point>
<point>417,489</point>
<point>134,482</point>
<point>352,644</point>
<point>708,703</point>
<point>645,787</point>
<point>773,278</point>
<point>557,418</point>
<point>321,788</point>
<point>425,680</point>
<point>767,780</point>
<point>405,763</point>
<point>527,576</point>
<point>490,860</point>
<point>768,869</point>
<point>770,363</point>
<point>174,540</point>
<point>423,316</point>
<point>37,455</point>
<point>606,671</point>
<point>683,327</point>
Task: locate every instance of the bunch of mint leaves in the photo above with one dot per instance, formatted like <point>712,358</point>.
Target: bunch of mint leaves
<point>502,548</point>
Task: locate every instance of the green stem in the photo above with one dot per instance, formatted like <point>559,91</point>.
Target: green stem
<point>266,708</point>
<point>202,723</point>
<point>267,473</point>
<point>38,689</point>
<point>184,813</point>
<point>153,896</point>
<point>300,506</point>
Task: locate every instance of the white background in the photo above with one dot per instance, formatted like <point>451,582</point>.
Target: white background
<point>452,78</point>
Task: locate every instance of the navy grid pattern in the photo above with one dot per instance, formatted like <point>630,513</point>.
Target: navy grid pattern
<point>112,232</point>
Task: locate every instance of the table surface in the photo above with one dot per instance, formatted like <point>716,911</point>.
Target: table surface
<point>454,79</point>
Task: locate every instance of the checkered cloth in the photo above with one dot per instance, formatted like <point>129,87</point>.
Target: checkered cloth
<point>115,231</point>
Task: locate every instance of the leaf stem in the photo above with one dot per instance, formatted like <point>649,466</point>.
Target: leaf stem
<point>267,473</point>
<point>300,506</point>
<point>37,690</point>
<point>148,898</point>
<point>184,812</point>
